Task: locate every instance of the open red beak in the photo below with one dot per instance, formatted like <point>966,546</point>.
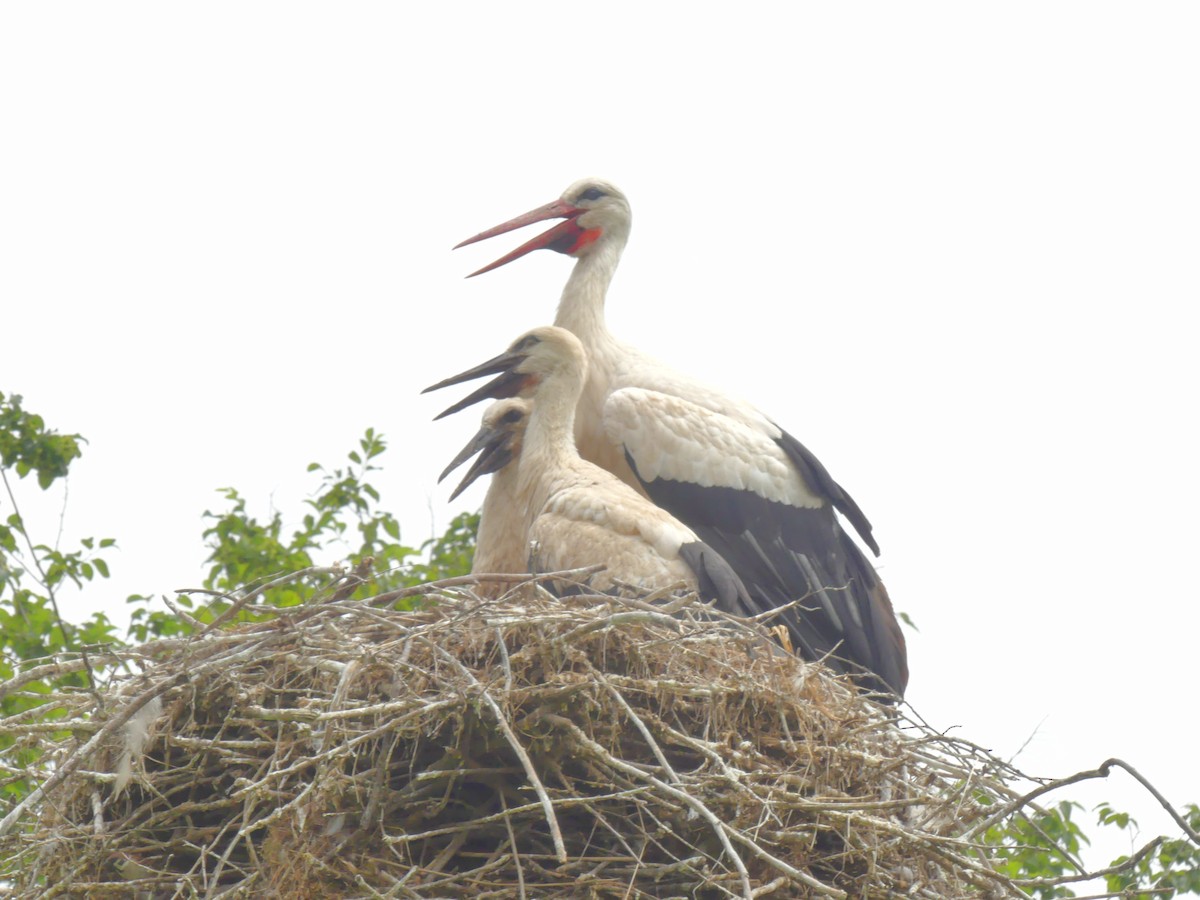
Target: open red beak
<point>565,237</point>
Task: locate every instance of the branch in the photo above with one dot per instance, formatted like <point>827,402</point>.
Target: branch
<point>67,633</point>
<point>243,601</point>
<point>1102,771</point>
<point>433,587</point>
<point>560,848</point>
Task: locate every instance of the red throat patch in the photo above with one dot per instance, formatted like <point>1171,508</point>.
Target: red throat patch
<point>590,236</point>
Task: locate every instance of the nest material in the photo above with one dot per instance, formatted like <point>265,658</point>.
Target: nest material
<point>520,747</point>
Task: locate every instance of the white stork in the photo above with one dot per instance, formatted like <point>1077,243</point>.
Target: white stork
<point>577,514</point>
<point>746,487</point>
<point>501,545</point>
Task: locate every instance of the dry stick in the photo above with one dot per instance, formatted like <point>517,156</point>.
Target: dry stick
<point>618,619</point>
<point>700,746</point>
<point>512,842</point>
<point>239,604</point>
<point>196,625</point>
<point>770,887</point>
<point>361,882</point>
<point>62,625</point>
<point>563,802</point>
<point>65,667</point>
<point>332,753</point>
<point>508,675</point>
<point>560,848</point>
<point>723,831</point>
<point>467,580</point>
<point>76,758</point>
<point>640,726</point>
<point>214,881</point>
<point>1102,771</point>
<point>1088,876</point>
<point>1179,820</point>
<point>662,761</point>
<point>353,580</point>
<point>979,874</point>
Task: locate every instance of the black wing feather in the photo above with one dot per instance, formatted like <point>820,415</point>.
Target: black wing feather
<point>817,476</point>
<point>716,579</point>
<point>783,554</point>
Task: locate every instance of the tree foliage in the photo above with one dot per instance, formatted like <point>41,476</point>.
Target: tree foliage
<point>343,518</point>
<point>31,574</point>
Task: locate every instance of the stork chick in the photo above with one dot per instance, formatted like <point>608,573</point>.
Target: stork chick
<point>579,514</point>
<point>501,545</point>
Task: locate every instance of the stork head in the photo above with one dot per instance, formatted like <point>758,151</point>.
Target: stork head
<point>593,211</point>
<point>498,441</point>
<point>542,353</point>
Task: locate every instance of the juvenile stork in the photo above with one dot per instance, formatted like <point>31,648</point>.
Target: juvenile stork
<point>744,485</point>
<point>577,514</point>
<point>501,545</point>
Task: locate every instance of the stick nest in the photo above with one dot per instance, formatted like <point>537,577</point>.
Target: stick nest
<point>522,747</point>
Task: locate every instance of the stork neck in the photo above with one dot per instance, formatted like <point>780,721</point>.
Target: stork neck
<point>551,428</point>
<point>550,435</point>
<point>581,307</point>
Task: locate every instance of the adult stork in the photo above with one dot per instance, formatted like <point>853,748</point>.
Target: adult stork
<point>501,544</point>
<point>746,487</point>
<point>577,514</point>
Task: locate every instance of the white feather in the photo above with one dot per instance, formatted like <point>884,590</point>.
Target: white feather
<point>578,514</point>
<point>674,438</point>
<point>136,734</point>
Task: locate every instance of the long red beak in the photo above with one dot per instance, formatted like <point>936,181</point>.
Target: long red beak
<point>565,237</point>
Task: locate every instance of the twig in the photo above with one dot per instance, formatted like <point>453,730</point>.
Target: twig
<point>516,853</point>
<point>722,831</point>
<point>1119,868</point>
<point>241,603</point>
<point>196,625</point>
<point>1103,771</point>
<point>73,761</point>
<point>68,631</point>
<point>560,848</point>
<point>354,580</point>
<point>670,760</point>
<point>65,667</point>
<point>433,587</point>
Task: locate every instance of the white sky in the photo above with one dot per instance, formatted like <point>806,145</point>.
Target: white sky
<point>951,247</point>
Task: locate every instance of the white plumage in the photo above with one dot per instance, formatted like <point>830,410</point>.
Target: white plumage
<point>742,484</point>
<point>576,514</point>
<point>674,438</point>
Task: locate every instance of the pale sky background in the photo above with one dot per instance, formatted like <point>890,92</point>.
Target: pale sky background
<point>951,247</point>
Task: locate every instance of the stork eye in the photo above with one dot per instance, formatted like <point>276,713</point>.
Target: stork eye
<point>512,417</point>
<point>526,342</point>
<point>592,194</point>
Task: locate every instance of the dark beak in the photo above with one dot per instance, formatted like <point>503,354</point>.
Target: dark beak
<point>494,446</point>
<point>508,383</point>
<point>505,362</point>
